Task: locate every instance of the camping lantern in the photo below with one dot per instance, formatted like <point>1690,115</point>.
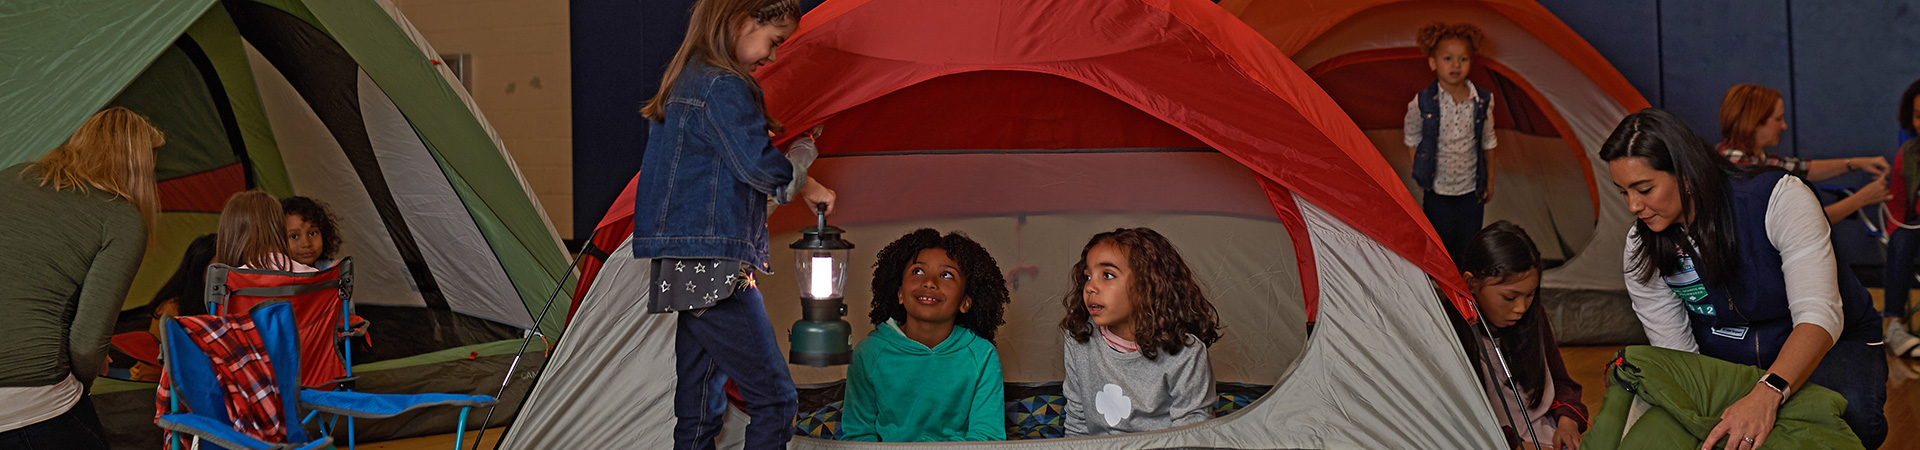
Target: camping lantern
<point>820,257</point>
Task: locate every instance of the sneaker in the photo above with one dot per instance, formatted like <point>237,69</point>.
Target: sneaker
<point>1902,342</point>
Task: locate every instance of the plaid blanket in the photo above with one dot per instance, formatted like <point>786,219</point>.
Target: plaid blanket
<point>241,366</point>
<point>1797,166</point>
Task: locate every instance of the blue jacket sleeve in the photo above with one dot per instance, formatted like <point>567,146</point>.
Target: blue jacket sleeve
<point>740,131</point>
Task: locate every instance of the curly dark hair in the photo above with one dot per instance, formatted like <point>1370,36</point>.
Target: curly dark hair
<point>1168,301</point>
<point>1430,36</point>
<point>985,284</point>
<point>316,213</point>
<point>1906,106</point>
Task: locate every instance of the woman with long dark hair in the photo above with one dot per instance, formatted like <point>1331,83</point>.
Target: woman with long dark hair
<point>1736,264</point>
<point>1502,268</point>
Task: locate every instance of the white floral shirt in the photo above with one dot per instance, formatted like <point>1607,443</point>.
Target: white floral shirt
<point>1455,163</point>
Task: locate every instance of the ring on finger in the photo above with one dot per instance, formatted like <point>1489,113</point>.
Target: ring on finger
<point>1747,439</point>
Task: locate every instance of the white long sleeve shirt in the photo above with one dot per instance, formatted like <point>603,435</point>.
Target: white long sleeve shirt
<point>1797,227</point>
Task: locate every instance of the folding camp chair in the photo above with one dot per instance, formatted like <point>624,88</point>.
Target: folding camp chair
<point>269,329</point>
<point>322,307</point>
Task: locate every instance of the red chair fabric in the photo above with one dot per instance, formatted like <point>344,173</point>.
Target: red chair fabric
<point>320,300</point>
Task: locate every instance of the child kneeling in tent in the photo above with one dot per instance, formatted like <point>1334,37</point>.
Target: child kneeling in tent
<point>1502,267</point>
<point>1449,131</point>
<point>1138,328</point>
<point>929,371</point>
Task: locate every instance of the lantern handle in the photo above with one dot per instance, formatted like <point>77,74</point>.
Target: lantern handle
<point>820,214</point>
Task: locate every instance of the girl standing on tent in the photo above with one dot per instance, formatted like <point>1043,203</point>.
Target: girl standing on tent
<point>77,225</point>
<point>1751,119</point>
<point>1502,268</point>
<point>1138,327</point>
<point>929,372</point>
<point>1903,210</point>
<point>252,234</point>
<point>313,234</point>
<point>1449,132</point>
<point>701,217</point>
<point>1736,264</point>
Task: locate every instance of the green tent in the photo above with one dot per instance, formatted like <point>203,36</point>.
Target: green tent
<point>339,100</point>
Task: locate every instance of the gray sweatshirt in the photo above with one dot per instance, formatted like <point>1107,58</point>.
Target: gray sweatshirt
<point>1109,392</point>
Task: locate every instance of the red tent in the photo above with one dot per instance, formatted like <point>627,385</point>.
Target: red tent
<point>1091,78</point>
<point>1032,124</point>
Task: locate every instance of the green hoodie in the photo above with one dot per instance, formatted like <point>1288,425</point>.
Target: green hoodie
<point>898,390</point>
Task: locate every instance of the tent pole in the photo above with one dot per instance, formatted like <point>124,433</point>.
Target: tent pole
<point>1501,357</point>
<point>524,341</point>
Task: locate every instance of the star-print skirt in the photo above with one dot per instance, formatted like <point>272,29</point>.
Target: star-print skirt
<point>694,284</point>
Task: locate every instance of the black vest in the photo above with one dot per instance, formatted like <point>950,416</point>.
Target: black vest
<point>1425,156</point>
<point>1750,320</point>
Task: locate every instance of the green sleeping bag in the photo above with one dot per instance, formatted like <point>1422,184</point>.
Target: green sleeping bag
<point>1687,391</point>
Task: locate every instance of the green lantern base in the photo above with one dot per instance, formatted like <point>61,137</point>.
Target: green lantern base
<point>821,343</point>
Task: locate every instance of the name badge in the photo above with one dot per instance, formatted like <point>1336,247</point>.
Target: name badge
<point>1734,333</point>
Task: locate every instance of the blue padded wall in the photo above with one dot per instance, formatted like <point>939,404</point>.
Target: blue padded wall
<point>1840,65</point>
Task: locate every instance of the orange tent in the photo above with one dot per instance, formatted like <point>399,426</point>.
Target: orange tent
<point>1556,99</point>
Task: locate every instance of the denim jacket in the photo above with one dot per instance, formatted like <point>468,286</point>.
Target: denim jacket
<point>708,173</point>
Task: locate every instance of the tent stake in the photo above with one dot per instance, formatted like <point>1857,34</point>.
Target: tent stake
<point>524,341</point>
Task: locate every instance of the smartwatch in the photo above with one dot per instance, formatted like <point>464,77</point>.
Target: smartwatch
<point>1778,384</point>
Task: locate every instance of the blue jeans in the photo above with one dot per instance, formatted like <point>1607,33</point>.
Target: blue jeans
<point>1455,218</point>
<point>1901,248</point>
<point>1859,373</point>
<point>77,429</point>
<point>733,339</point>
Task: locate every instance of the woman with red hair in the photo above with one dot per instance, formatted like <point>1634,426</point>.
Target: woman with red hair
<point>1751,119</point>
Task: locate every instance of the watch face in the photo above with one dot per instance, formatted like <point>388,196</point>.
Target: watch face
<point>1776,381</point>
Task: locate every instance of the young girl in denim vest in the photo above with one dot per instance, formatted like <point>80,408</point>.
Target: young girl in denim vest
<point>1448,131</point>
<point>1138,327</point>
<point>706,183</point>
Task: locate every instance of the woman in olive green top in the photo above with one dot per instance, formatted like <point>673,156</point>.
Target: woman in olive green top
<point>76,223</point>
